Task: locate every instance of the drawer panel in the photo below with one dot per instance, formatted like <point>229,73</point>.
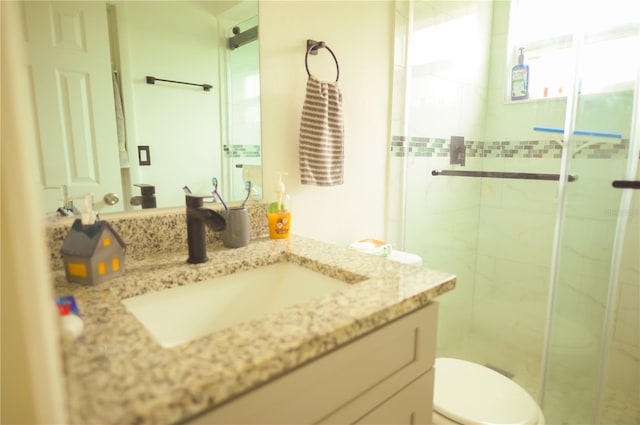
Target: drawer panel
<point>413,405</point>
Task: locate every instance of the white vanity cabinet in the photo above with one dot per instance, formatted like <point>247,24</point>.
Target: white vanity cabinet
<point>385,376</point>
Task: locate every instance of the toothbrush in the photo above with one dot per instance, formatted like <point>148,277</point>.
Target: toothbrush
<point>214,181</point>
<point>247,187</point>
<point>186,189</point>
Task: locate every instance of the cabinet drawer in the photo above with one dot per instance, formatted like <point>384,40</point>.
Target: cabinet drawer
<point>378,364</point>
<point>411,406</point>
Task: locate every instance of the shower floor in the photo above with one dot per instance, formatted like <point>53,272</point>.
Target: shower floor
<point>570,398</point>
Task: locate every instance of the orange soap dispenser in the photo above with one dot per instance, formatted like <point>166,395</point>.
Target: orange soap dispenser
<point>279,212</point>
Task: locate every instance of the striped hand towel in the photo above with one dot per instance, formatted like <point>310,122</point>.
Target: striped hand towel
<point>321,148</point>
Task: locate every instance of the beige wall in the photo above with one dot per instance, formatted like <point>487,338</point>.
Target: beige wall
<point>31,365</point>
<point>360,33</point>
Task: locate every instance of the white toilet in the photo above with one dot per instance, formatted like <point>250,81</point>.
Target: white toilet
<point>470,394</point>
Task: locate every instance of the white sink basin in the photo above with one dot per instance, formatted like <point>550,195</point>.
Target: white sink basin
<point>184,313</point>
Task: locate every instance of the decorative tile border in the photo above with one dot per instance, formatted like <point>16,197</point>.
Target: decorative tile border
<point>538,149</point>
<point>242,151</point>
<point>605,150</point>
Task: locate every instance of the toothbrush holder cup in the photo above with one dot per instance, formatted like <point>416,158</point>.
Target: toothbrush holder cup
<point>236,233</point>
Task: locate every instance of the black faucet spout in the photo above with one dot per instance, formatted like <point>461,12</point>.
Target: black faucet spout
<point>197,217</point>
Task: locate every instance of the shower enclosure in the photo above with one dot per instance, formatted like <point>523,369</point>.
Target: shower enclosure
<point>515,196</point>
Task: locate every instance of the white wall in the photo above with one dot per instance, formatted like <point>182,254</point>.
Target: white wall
<point>360,33</point>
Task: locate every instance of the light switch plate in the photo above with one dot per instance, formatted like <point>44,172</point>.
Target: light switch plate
<point>144,157</point>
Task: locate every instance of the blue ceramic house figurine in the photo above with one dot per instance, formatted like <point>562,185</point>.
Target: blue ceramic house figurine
<point>92,253</point>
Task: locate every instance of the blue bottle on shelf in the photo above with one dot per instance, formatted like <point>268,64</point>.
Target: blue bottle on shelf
<point>520,79</point>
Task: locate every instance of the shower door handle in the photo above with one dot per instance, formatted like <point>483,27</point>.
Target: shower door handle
<point>626,184</point>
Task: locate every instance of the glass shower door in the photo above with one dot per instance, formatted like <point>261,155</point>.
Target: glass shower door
<point>242,153</point>
<point>240,130</point>
<point>592,373</point>
<point>548,279</point>
<point>486,212</point>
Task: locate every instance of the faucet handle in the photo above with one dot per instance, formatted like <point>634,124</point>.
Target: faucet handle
<point>196,201</point>
<point>66,199</point>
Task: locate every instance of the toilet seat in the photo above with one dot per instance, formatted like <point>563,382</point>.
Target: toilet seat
<point>471,394</point>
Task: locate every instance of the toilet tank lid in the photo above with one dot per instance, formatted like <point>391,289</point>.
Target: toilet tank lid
<point>472,394</point>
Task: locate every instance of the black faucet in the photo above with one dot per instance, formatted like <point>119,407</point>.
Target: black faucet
<point>147,196</point>
<point>197,217</point>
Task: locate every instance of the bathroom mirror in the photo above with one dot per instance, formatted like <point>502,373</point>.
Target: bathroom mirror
<point>101,127</point>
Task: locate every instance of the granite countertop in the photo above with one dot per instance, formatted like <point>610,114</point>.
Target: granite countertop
<point>118,374</point>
